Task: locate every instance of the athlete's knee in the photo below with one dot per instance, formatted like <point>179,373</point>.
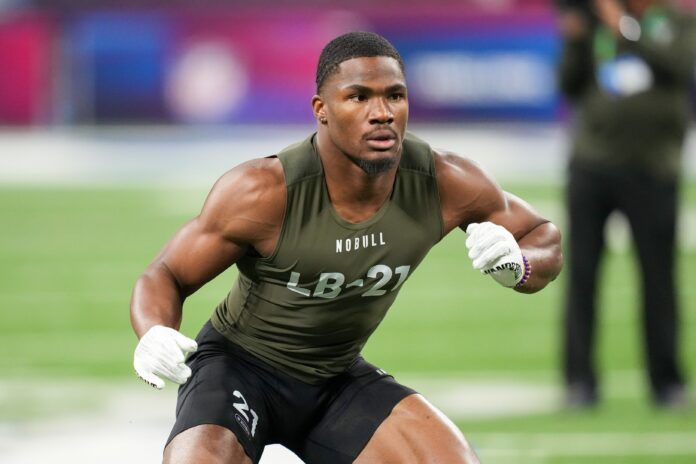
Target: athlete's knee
<point>432,435</point>
<point>417,432</point>
<point>205,444</point>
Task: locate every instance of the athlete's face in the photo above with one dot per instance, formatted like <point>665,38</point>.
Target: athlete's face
<point>365,107</point>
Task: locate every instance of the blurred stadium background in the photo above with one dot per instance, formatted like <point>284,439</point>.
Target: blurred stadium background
<point>116,117</point>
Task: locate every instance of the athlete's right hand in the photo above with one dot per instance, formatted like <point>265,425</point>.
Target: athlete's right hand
<point>161,352</point>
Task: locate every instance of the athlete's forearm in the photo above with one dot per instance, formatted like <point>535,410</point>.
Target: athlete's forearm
<point>157,300</point>
<point>542,247</point>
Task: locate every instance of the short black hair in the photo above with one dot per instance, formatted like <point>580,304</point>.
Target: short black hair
<point>349,46</point>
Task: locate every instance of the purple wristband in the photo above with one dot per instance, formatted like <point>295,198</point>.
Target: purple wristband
<point>527,272</point>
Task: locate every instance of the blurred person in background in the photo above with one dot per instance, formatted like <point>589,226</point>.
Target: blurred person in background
<point>324,235</point>
<point>627,67</point>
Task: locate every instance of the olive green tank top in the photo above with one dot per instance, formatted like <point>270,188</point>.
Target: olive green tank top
<point>309,307</point>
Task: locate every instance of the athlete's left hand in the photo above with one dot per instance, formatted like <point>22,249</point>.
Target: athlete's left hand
<point>494,251</point>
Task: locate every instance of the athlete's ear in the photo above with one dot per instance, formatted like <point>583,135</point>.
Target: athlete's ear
<point>318,109</point>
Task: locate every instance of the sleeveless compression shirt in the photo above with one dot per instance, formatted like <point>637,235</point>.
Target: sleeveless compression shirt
<point>309,307</point>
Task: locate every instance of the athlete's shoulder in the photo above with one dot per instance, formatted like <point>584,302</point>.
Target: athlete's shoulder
<point>248,183</point>
<point>260,174</point>
<point>459,172</point>
<point>247,198</point>
<point>449,167</point>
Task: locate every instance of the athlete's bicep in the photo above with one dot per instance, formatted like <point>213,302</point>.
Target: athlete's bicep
<point>244,209</point>
<point>469,195</point>
<point>516,215</point>
<point>197,253</point>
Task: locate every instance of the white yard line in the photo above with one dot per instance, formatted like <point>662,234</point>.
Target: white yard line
<point>483,398</point>
<point>587,444</point>
<point>171,155</point>
<point>197,156</point>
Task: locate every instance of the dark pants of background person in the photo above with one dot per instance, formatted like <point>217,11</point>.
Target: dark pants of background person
<point>650,205</point>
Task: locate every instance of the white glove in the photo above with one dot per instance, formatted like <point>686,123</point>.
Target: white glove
<point>494,251</point>
<point>162,352</point>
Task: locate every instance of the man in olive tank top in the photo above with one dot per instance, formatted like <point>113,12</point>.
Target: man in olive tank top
<point>324,235</point>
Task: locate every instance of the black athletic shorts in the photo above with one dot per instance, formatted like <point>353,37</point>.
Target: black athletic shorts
<point>327,423</point>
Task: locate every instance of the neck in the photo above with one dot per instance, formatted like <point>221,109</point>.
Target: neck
<point>354,194</point>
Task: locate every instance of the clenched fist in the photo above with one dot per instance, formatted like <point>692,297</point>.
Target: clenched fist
<point>162,352</point>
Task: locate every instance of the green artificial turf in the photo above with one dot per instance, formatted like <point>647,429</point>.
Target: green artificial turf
<point>69,258</point>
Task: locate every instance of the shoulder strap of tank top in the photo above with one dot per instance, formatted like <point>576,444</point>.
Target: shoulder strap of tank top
<point>417,156</point>
<point>300,161</point>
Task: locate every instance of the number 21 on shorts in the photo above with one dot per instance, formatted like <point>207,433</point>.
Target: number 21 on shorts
<point>243,409</point>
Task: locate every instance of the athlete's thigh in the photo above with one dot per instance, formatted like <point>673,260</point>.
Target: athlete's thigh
<point>228,390</point>
<point>417,432</point>
<point>360,399</point>
<point>205,444</point>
